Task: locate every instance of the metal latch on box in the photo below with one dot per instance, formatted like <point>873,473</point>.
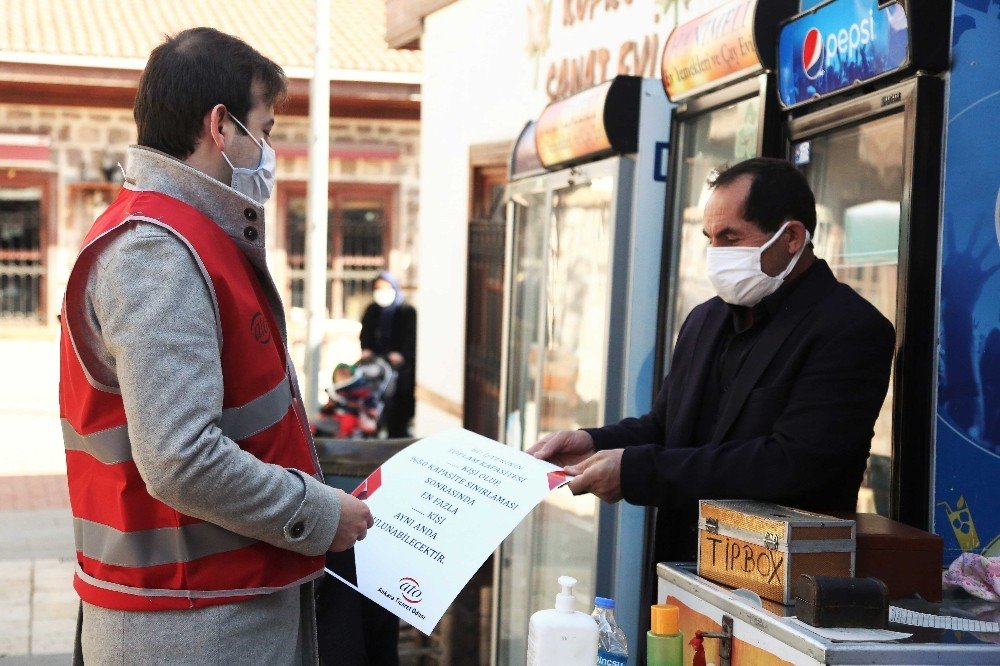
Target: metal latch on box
<point>725,640</point>
<point>770,538</point>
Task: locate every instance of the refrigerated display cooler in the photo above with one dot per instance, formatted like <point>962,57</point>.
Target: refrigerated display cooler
<point>860,81</point>
<point>718,69</point>
<point>583,262</point>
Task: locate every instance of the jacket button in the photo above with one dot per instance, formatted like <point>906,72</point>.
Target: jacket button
<point>250,214</point>
<point>297,530</point>
<point>250,234</point>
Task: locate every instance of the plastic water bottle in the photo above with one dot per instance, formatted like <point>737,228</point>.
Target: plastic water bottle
<point>612,646</point>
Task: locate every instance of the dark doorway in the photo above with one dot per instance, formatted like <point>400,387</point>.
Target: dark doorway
<point>22,256</point>
<point>484,302</point>
<point>360,224</point>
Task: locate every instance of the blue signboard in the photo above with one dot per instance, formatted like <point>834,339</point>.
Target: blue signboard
<point>967,442</point>
<point>839,45</point>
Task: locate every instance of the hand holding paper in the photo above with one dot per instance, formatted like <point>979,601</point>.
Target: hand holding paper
<point>441,507</point>
<point>568,447</point>
<point>600,474</point>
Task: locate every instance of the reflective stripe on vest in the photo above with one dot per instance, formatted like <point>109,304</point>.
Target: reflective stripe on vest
<point>149,548</point>
<point>112,446</point>
<point>188,594</point>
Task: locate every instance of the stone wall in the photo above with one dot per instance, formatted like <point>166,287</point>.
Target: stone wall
<point>83,140</point>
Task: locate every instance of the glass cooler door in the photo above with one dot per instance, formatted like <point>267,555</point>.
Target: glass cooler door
<point>856,173</point>
<point>556,351</point>
<point>706,142</point>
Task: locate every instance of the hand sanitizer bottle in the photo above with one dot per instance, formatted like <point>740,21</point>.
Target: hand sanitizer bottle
<point>563,636</point>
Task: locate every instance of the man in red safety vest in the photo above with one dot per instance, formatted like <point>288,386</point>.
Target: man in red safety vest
<point>200,515</point>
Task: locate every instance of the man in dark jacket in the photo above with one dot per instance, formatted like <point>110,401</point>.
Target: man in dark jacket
<point>774,386</point>
<point>389,330</point>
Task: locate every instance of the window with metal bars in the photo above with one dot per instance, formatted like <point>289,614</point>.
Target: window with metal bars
<point>22,265</point>
<point>357,246</point>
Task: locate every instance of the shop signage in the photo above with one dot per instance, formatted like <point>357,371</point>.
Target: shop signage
<point>524,158</point>
<point>601,120</point>
<point>574,45</point>
<point>710,50</point>
<point>573,127</point>
<point>840,45</point>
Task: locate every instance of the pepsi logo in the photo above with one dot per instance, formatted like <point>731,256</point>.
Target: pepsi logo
<point>812,54</point>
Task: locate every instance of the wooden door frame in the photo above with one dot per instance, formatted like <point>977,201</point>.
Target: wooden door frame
<point>290,188</point>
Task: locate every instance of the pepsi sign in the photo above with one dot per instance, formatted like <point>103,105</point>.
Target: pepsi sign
<point>813,61</point>
<point>839,45</point>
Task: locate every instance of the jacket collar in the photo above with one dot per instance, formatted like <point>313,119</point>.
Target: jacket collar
<point>816,284</point>
<point>239,216</point>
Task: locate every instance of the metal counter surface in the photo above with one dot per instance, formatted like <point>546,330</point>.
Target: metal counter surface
<point>924,647</point>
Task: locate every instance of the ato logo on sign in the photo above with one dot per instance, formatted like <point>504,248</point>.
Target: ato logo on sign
<point>410,589</point>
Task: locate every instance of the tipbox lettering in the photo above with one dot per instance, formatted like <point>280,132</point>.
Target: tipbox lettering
<point>748,558</point>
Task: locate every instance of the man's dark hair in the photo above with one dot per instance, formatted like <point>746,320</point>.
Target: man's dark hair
<point>190,73</point>
<point>778,193</point>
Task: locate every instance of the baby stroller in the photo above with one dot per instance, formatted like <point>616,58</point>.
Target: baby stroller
<point>357,400</point>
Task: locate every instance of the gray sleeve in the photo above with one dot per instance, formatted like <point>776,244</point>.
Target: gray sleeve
<point>157,320</point>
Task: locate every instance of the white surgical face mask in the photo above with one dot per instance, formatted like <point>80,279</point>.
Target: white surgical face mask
<point>736,274</point>
<point>385,296</point>
<point>255,183</point>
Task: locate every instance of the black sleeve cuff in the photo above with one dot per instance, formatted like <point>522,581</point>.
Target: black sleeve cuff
<point>640,482</point>
<point>602,438</point>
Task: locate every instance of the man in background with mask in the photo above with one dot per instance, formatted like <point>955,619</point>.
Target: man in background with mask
<point>774,386</point>
<point>200,514</point>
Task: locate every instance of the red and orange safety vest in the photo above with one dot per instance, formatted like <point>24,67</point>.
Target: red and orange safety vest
<point>134,552</point>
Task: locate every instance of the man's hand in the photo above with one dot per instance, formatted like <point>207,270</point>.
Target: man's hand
<point>395,359</point>
<point>568,447</point>
<point>355,520</point>
<point>600,474</point>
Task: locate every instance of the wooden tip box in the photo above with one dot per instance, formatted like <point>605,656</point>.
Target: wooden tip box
<point>765,547</point>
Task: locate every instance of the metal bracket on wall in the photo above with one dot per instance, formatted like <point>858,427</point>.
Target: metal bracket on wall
<point>725,640</point>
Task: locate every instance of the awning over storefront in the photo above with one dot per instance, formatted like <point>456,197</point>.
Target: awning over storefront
<point>25,151</point>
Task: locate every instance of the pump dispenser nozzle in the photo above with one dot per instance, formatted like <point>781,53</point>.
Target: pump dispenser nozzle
<point>562,636</point>
<point>565,601</point>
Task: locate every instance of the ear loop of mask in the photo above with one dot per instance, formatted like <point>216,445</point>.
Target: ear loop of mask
<point>791,264</point>
<point>252,137</point>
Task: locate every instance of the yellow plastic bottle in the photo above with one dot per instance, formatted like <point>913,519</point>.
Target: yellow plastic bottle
<point>664,642</point>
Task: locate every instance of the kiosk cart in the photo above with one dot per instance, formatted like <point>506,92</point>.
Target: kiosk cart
<point>583,260</point>
<point>766,635</point>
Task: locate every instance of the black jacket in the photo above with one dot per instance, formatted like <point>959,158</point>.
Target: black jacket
<point>795,427</point>
<point>402,339</point>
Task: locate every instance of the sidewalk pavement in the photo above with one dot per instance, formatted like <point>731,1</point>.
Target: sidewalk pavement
<point>38,605</point>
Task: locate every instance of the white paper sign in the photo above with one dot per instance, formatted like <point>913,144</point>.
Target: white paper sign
<point>441,506</point>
